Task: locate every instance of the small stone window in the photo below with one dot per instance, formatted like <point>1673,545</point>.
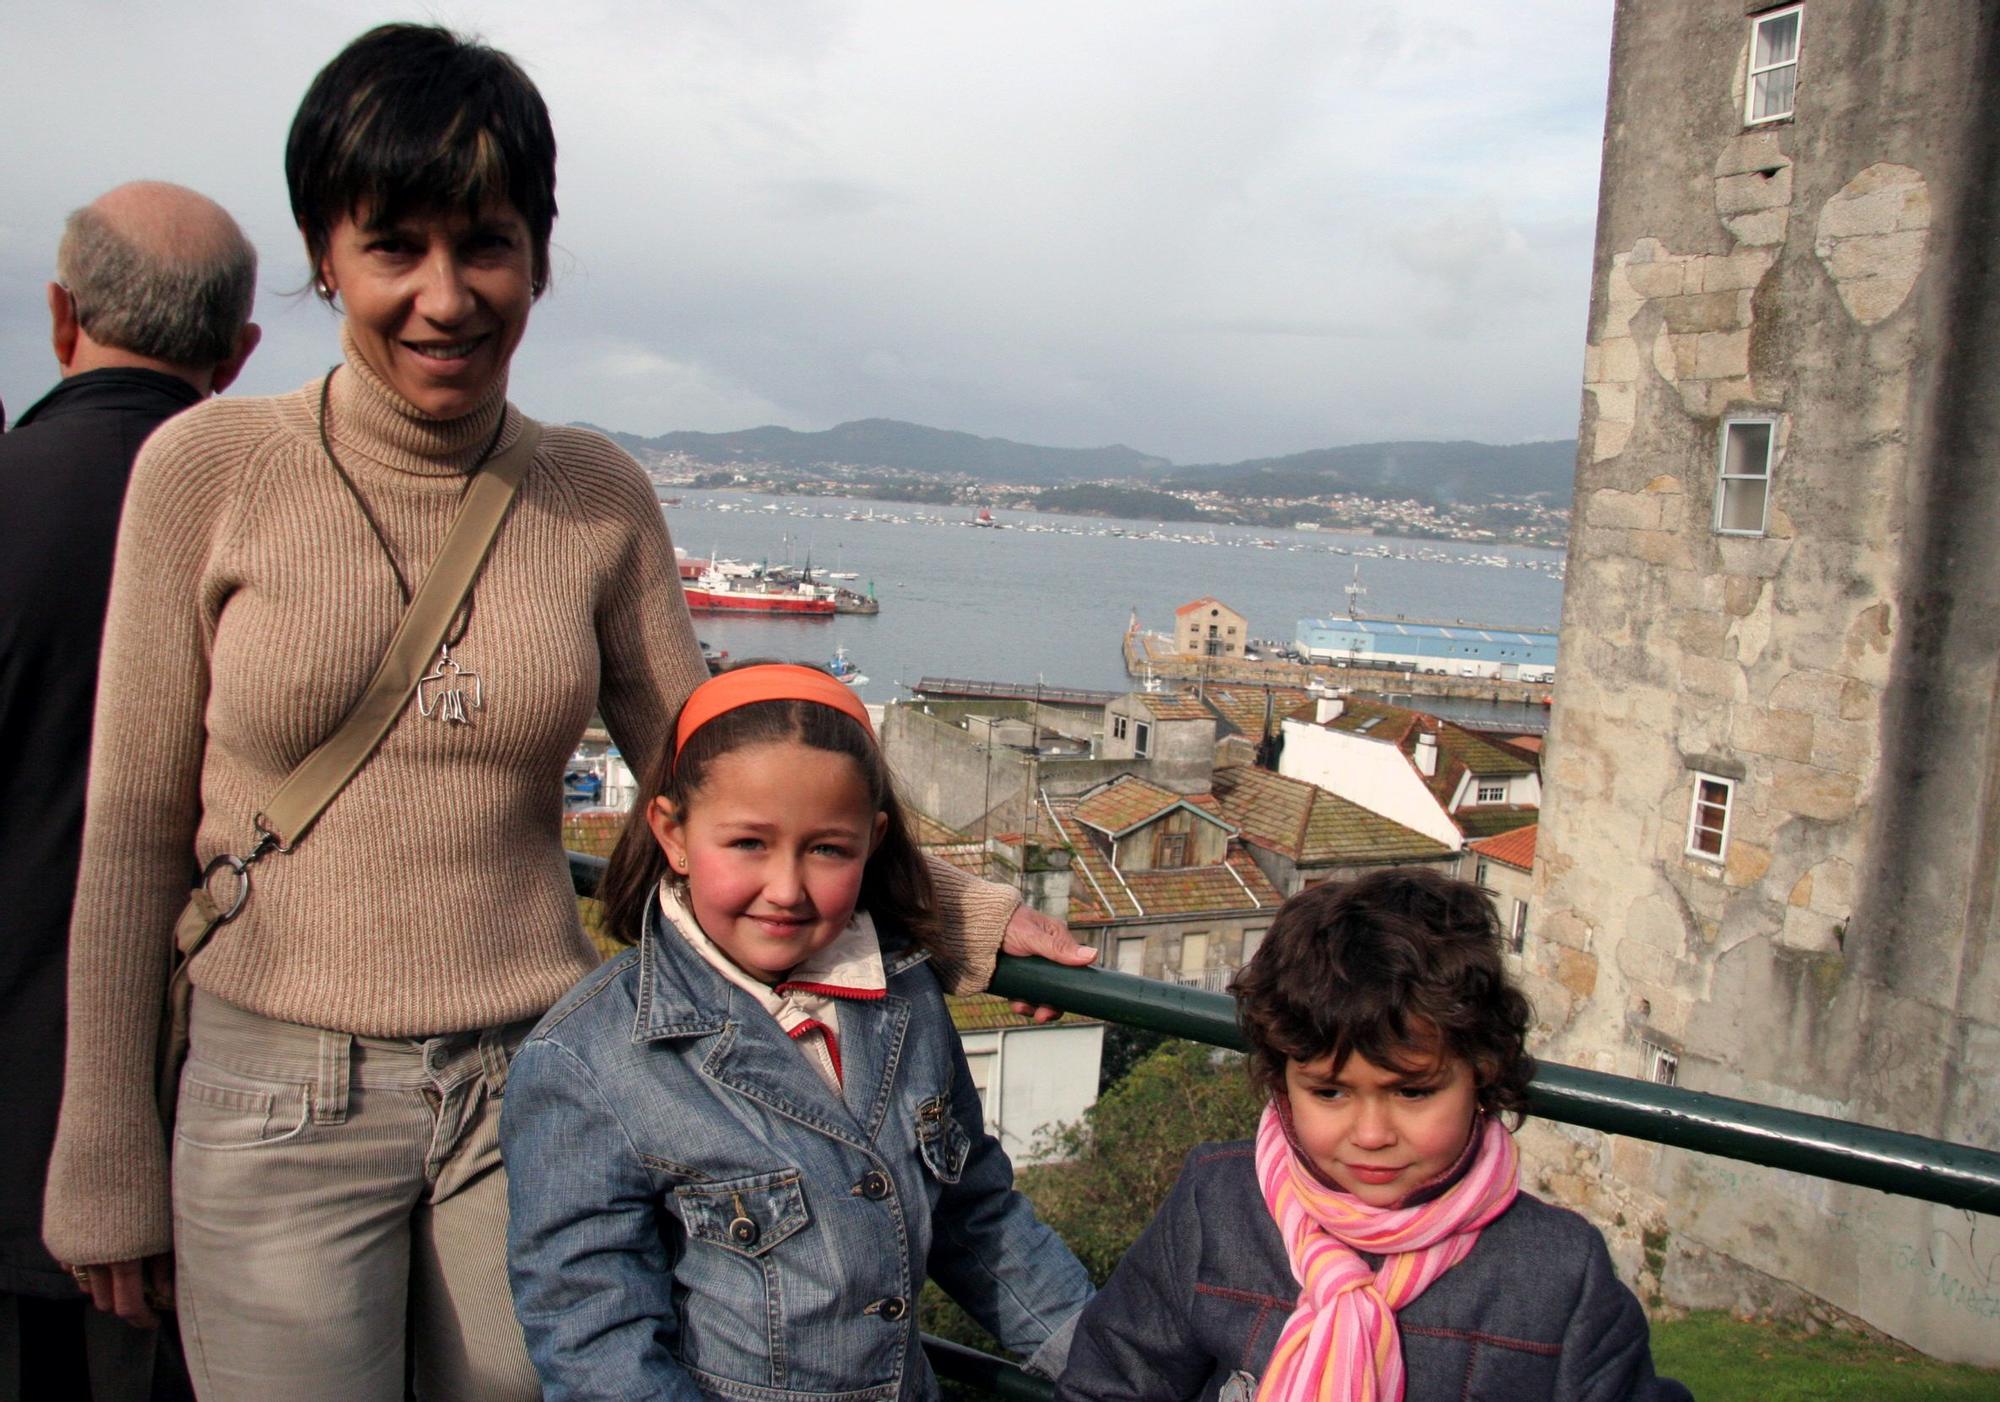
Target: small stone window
<point>1662,1066</point>
<point>1743,493</point>
<point>1479,873</point>
<point>1774,64</point>
<point>1517,931</point>
<point>1708,818</point>
<point>1118,726</point>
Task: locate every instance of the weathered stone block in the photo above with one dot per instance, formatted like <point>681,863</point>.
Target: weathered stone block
<point>1622,510</point>
<point>1576,971</point>
<point>1848,747</point>
<point>1780,734</point>
<point>1703,311</point>
<point>1813,793</point>
<point>1753,150</point>
<point>1661,279</point>
<point>1858,700</point>
<point>1814,692</point>
<point>1762,229</point>
<point>1736,271</point>
<point>1741,593</point>
<point>1898,255</point>
<point>1721,355</point>
<point>1832,889</point>
<point>1701,632</point>
<point>1745,864</point>
<point>1809,930</point>
<point>1752,191</point>
<point>1668,548</point>
<point>1713,679</point>
<point>1666,484</point>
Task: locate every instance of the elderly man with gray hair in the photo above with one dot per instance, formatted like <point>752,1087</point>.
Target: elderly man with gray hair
<point>149,314</point>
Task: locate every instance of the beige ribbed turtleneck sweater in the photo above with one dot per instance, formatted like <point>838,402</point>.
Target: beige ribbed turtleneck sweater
<point>249,605</point>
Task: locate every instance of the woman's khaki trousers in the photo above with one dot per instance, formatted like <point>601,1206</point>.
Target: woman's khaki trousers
<point>340,1215</point>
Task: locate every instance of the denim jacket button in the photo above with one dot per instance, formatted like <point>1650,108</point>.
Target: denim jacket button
<point>891,1309</point>
<point>874,1184</point>
<point>743,1231</point>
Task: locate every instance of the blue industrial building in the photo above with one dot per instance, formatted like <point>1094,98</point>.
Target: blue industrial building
<point>1449,649</point>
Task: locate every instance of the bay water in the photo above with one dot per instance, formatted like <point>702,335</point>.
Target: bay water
<point>1048,597</point>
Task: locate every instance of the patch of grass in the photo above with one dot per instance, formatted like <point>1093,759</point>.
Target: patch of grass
<point>1731,1360</point>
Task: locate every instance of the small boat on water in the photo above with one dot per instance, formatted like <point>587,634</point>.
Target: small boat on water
<point>985,519</point>
<point>842,666</point>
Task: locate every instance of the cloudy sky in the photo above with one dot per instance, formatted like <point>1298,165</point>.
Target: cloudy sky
<point>1209,229</point>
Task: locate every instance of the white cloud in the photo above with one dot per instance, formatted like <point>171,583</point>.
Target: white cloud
<point>1205,229</point>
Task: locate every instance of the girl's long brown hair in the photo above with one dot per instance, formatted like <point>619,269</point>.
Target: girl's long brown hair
<point>895,884</point>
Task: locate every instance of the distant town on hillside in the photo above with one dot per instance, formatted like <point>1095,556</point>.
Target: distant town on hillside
<point>1515,493</point>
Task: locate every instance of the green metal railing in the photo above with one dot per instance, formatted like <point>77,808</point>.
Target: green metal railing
<point>1955,1175</point>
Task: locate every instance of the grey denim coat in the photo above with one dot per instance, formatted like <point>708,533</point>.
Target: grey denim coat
<point>1532,1314</point>
<point>694,1212</point>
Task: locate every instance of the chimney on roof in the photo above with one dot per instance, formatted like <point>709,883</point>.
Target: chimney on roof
<point>1329,708</point>
<point>1427,753</point>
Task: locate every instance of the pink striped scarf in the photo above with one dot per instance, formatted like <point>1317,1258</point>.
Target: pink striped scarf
<point>1341,1344</point>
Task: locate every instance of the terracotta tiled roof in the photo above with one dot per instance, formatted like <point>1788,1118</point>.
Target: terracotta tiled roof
<point>983,1012</point>
<point>1128,801</point>
<point>1531,743</point>
<point>1174,705</point>
<point>1205,601</point>
<point>927,831</point>
<point>1516,848</point>
<point>1314,827</point>
<point>1494,818</point>
<point>1459,750</point>
<point>594,833</point>
<point>1241,708</point>
<point>966,856</point>
<point>1100,894</point>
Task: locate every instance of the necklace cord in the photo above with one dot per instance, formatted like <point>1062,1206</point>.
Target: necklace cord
<point>463,620</point>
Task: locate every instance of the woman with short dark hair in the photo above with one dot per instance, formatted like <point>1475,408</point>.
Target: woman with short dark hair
<point>336,1176</point>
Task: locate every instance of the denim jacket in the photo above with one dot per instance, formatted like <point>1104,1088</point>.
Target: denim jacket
<point>694,1211</point>
<point>1532,1314</point>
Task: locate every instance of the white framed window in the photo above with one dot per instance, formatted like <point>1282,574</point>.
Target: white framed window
<point>1132,955</point>
<point>1743,488</point>
<point>1118,727</point>
<point>1517,930</point>
<point>1491,793</point>
<point>1708,817</point>
<point>1142,739</point>
<point>1774,64</point>
<point>1662,1066</point>
<point>1479,873</point>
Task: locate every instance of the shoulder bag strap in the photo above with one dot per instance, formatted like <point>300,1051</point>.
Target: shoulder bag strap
<point>324,773</point>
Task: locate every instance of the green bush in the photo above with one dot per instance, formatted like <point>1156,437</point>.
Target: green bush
<point>1115,1166</point>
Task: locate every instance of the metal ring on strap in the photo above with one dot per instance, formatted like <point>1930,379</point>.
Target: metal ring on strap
<point>237,867</point>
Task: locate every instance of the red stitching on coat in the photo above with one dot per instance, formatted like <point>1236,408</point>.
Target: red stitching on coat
<point>1245,1297</point>
<point>1474,1336</point>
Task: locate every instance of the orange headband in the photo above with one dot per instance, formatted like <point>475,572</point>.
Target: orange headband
<point>765,681</point>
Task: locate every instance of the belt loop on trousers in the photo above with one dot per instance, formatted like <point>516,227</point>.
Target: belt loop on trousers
<point>494,1056</point>
<point>330,1079</point>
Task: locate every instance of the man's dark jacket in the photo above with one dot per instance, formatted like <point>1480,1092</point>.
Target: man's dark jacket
<point>63,467</point>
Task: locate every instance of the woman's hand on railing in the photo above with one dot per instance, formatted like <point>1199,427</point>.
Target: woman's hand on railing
<point>1031,933</point>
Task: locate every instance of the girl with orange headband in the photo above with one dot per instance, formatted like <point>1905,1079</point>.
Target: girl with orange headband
<point>735,1152</point>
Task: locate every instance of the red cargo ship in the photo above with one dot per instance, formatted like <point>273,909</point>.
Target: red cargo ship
<point>711,592</point>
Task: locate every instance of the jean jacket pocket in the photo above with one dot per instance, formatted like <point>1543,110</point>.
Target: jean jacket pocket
<point>941,1139</point>
<point>748,1216</point>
